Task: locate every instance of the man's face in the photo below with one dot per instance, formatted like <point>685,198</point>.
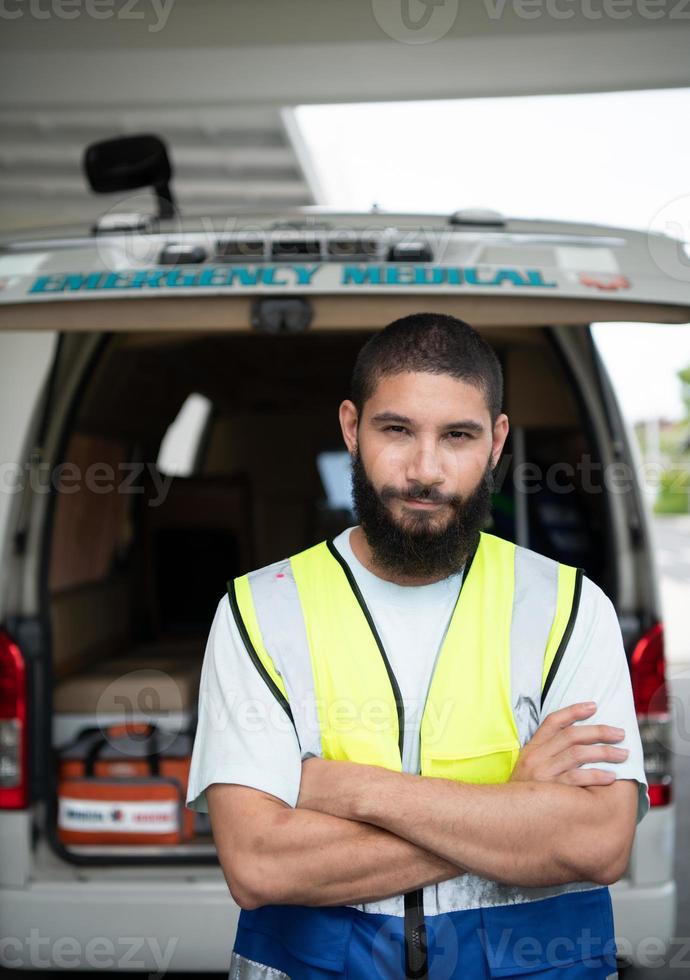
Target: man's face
<point>422,470</point>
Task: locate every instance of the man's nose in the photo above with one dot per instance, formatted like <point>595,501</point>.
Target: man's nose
<point>424,465</point>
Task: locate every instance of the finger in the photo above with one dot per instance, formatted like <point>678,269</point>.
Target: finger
<point>560,719</point>
<point>587,777</point>
<point>578,755</point>
<point>582,735</point>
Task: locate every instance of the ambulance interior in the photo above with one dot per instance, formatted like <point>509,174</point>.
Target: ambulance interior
<point>134,577</point>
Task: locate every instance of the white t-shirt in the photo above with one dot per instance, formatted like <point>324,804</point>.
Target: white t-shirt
<point>244,736</point>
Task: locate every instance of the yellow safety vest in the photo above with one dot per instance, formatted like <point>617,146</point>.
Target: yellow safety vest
<point>468,730</point>
<point>307,628</point>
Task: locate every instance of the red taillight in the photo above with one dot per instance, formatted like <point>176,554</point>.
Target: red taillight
<point>13,729</point>
<point>660,794</point>
<point>648,675</point>
<point>648,672</point>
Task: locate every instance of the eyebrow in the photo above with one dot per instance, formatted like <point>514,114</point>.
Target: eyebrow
<point>471,424</point>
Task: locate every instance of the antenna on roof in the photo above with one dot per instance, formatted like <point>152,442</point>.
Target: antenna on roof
<point>483,217</point>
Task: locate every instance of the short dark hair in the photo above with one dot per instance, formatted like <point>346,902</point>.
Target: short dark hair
<point>431,342</point>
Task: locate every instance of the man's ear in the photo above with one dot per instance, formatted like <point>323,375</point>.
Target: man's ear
<point>349,421</point>
<point>500,434</point>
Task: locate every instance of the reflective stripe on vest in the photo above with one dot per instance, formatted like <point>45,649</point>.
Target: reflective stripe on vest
<point>243,968</point>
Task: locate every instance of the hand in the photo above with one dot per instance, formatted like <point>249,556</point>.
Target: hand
<point>559,747</point>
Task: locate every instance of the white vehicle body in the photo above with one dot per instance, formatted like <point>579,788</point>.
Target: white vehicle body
<point>327,274</point>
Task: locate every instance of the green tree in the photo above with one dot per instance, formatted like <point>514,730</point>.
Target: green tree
<point>684,376</point>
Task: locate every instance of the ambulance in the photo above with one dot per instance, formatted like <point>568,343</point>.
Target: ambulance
<point>184,431</point>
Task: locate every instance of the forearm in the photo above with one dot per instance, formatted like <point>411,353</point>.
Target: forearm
<point>522,833</point>
<point>307,858</point>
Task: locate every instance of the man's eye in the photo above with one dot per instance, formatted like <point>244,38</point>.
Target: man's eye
<point>395,428</point>
<point>456,435</point>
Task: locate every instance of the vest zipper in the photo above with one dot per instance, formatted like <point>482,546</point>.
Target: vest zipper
<point>466,572</point>
<point>565,639</point>
<point>400,710</point>
<point>416,946</point>
<point>416,954</point>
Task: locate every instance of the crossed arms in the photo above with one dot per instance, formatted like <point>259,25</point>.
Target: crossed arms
<point>361,833</point>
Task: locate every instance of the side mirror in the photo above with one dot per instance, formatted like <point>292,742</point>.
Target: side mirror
<point>129,162</point>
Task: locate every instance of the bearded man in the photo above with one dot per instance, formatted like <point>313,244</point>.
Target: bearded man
<point>421,796</point>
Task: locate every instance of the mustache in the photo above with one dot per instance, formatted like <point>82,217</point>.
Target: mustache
<point>419,492</point>
<point>421,549</point>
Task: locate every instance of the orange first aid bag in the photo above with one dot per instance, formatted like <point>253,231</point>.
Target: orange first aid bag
<point>125,784</point>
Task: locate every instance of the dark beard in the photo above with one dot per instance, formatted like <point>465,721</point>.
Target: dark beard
<point>418,549</point>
